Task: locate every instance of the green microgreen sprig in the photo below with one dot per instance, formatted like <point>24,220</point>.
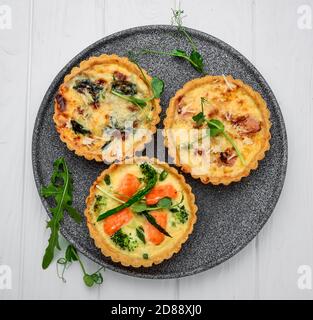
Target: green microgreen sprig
<point>71,256</point>
<point>216,127</point>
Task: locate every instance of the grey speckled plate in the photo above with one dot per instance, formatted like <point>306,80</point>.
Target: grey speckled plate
<point>229,217</point>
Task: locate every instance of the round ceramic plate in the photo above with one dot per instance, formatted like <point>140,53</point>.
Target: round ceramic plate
<point>229,217</point>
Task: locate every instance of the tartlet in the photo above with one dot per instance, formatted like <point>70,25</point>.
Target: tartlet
<point>127,236</point>
<point>100,125</point>
<point>191,135</point>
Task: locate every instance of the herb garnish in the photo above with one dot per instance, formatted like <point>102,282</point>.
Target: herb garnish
<point>151,178</point>
<point>157,86</point>
<point>200,117</point>
<point>71,255</point>
<point>194,58</point>
<point>216,128</point>
<point>164,203</point>
<point>60,188</point>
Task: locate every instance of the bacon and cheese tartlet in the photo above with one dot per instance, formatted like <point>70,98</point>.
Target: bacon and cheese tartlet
<point>105,109</point>
<point>140,212</point>
<point>217,128</point>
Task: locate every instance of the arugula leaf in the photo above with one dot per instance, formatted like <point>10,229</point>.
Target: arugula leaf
<point>151,178</point>
<point>60,188</point>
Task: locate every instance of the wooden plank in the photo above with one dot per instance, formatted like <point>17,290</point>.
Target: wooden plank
<point>57,36</point>
<point>123,14</point>
<point>232,22</point>
<point>284,56</point>
<point>119,15</point>
<point>14,68</point>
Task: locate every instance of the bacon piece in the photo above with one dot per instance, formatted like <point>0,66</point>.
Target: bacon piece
<point>213,113</point>
<point>132,108</point>
<point>61,102</point>
<point>101,81</point>
<point>119,76</point>
<point>228,157</point>
<point>247,124</point>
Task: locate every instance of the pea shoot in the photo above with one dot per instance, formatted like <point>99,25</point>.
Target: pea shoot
<point>194,58</point>
<point>71,256</point>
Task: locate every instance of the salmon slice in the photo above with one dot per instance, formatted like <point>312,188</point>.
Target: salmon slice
<point>151,232</point>
<point>128,187</point>
<point>159,192</point>
<point>113,223</point>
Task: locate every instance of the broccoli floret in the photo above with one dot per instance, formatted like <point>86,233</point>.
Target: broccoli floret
<point>180,214</point>
<point>124,241</point>
<point>100,203</point>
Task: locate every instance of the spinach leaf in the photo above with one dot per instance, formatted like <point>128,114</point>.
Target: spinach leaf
<point>124,87</point>
<point>78,128</point>
<point>107,179</point>
<point>86,85</point>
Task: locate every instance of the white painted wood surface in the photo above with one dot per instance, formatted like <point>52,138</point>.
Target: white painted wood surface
<point>46,34</point>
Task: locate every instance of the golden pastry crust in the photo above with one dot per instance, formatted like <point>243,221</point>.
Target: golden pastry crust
<point>244,114</point>
<point>79,105</point>
<point>109,249</point>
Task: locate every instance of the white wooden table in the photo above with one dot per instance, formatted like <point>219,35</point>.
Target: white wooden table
<point>46,34</point>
